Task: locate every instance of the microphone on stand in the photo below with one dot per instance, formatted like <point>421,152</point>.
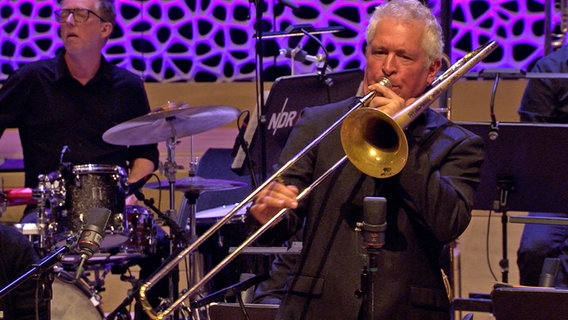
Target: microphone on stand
<point>374,222</point>
<point>132,188</point>
<point>373,230</point>
<point>92,235</point>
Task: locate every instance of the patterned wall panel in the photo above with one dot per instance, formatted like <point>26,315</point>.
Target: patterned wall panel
<point>213,40</point>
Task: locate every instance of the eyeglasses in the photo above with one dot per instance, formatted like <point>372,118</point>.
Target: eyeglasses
<point>79,15</point>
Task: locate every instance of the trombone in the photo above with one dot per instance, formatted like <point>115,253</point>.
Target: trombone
<point>379,157</point>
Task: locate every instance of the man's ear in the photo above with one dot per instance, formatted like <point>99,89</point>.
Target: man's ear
<point>106,29</point>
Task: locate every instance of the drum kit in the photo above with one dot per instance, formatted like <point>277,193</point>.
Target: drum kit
<point>64,198</point>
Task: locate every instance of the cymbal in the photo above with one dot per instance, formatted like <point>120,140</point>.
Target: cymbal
<point>170,120</point>
<point>17,197</point>
<point>198,184</point>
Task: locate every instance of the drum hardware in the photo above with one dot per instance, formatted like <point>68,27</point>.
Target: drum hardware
<point>46,227</point>
<point>167,123</point>
<point>179,240</point>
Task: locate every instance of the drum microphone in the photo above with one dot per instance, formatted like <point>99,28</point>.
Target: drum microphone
<point>132,188</point>
<point>374,222</point>
<point>92,235</point>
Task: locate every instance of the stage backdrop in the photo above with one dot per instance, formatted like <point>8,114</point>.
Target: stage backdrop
<point>213,40</point>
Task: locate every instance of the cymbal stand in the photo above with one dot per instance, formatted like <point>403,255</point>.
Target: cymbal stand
<point>170,168</point>
<point>195,263</point>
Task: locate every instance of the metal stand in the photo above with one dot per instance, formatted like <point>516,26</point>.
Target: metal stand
<point>367,311</point>
<point>505,187</point>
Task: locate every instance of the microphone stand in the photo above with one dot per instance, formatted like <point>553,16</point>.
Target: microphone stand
<point>260,79</point>
<point>373,230</point>
<point>367,286</point>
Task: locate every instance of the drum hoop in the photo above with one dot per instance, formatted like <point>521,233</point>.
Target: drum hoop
<point>98,168</point>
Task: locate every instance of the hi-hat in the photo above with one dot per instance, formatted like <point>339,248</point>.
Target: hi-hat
<point>198,184</point>
<point>170,120</point>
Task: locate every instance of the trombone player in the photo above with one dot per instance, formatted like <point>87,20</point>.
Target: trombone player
<point>428,203</point>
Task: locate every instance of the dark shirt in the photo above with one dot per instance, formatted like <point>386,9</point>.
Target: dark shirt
<point>16,257</point>
<point>53,110</point>
<point>546,99</point>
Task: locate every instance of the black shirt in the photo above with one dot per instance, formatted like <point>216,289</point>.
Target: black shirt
<point>52,110</point>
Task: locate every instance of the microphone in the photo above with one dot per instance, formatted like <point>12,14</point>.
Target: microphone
<point>92,235</point>
<point>374,222</point>
<point>301,55</point>
<point>132,188</point>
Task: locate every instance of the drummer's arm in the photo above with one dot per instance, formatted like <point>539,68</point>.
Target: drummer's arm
<point>141,167</point>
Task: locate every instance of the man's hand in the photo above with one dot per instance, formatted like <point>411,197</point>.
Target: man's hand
<point>386,100</point>
<point>272,199</point>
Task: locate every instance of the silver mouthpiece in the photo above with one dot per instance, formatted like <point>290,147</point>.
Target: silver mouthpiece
<point>385,82</point>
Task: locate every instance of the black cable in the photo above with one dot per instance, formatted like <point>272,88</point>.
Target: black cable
<point>487,246</point>
<point>323,69</point>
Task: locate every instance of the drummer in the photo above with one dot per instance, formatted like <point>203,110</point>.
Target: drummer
<point>63,105</point>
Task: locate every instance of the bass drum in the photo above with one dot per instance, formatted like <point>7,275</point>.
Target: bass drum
<point>72,301</point>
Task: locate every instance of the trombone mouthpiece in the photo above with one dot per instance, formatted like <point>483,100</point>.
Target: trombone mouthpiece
<point>385,82</point>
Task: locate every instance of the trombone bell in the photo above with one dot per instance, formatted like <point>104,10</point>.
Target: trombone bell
<point>374,143</point>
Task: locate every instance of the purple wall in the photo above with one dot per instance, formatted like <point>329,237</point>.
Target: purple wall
<point>192,40</point>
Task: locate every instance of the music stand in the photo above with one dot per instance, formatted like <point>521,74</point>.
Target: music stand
<point>524,170</point>
<point>287,97</point>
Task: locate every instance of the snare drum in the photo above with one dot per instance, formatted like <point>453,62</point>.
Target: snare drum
<point>97,186</point>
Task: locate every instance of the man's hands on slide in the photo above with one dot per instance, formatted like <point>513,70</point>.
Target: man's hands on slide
<point>272,199</point>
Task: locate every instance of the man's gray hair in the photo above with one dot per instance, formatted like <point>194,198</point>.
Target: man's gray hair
<point>432,41</point>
